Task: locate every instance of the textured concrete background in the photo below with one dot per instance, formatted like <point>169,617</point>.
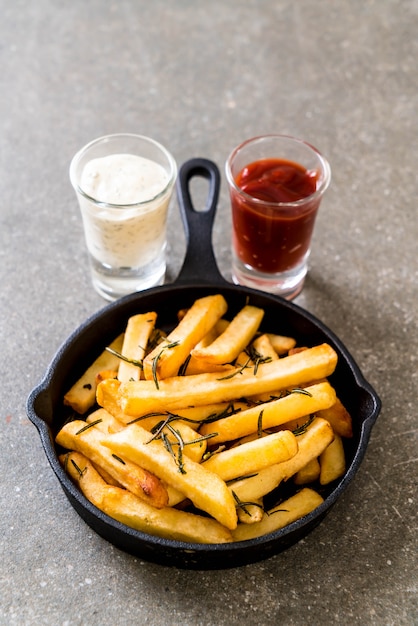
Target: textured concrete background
<point>200,77</point>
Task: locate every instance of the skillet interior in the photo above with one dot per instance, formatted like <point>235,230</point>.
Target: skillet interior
<point>46,410</point>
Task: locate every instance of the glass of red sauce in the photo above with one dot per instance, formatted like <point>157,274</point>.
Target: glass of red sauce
<point>276,184</point>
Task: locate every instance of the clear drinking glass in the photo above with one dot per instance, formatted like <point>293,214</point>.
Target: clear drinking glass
<point>124,184</point>
<point>276,184</point>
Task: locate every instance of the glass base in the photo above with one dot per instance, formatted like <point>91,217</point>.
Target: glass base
<point>285,284</point>
<point>112,283</point>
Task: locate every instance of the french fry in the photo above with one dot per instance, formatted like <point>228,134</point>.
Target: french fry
<point>82,394</point>
<point>253,456</point>
<point>204,488</point>
<point>308,474</point>
<point>282,515</point>
<point>251,513</point>
<point>125,507</point>
<point>199,366</point>
<point>332,461</point>
<point>265,348</point>
<point>137,334</point>
<point>339,418</point>
<point>317,437</point>
<point>84,438</point>
<point>234,339</point>
<point>166,359</point>
<point>139,398</point>
<point>281,343</point>
<point>271,414</point>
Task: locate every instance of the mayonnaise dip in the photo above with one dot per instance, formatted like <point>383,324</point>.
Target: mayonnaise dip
<point>124,209</point>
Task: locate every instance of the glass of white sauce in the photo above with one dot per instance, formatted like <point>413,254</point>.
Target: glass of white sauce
<point>124,184</point>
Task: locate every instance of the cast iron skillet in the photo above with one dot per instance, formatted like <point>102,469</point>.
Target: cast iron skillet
<point>198,277</point>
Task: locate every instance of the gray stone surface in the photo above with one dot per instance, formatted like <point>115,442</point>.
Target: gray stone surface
<point>200,77</point>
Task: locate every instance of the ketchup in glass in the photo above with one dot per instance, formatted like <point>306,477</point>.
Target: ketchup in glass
<point>268,236</point>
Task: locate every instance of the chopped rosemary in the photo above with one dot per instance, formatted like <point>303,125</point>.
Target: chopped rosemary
<point>243,505</point>
<point>239,370</point>
<point>260,424</point>
<point>87,426</point>
<point>276,511</point>
<point>115,456</point>
<point>243,477</point>
<point>303,428</point>
<point>183,368</point>
<point>81,472</point>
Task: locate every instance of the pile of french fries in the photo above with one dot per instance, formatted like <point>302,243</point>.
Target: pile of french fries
<point>187,435</point>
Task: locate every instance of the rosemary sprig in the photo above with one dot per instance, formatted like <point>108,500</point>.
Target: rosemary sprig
<point>257,358</point>
<point>168,446</point>
<point>227,412</point>
<point>253,357</point>
<point>125,358</point>
<point>157,358</point>
<point>157,336</point>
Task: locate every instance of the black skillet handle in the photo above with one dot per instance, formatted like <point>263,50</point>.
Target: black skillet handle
<point>199,264</point>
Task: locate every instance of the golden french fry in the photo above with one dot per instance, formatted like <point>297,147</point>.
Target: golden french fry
<point>270,414</point>
<point>308,474</point>
<point>139,398</point>
<point>86,439</point>
<point>137,334</point>
<point>82,394</point>
<point>204,488</point>
<point>128,509</point>
<point>265,348</point>
<point>281,344</point>
<point>332,461</point>
<point>253,456</point>
<point>234,339</point>
<point>166,359</point>
<point>282,515</point>
<point>339,418</point>
<point>317,437</point>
